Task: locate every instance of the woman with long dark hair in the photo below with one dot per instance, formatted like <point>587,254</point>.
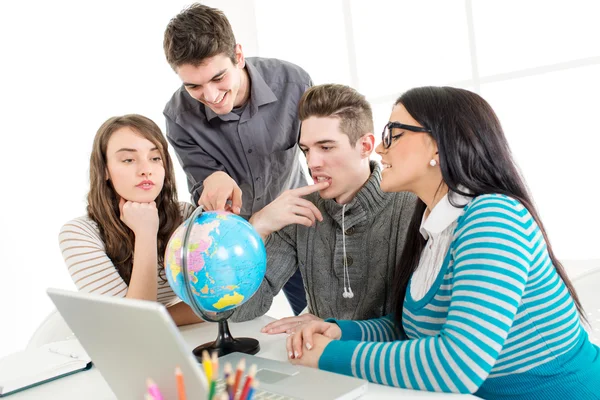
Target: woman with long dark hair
<point>118,248</point>
<point>483,305</point>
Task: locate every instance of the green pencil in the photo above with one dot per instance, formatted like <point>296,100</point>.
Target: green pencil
<point>213,387</point>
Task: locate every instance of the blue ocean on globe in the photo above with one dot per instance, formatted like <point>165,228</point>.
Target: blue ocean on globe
<point>226,261</point>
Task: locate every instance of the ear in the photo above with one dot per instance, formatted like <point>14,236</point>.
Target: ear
<point>239,56</point>
<point>106,174</point>
<point>435,154</point>
<point>367,144</point>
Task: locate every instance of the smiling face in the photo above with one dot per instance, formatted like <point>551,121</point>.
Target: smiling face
<point>331,157</point>
<point>406,163</point>
<point>217,82</point>
<point>134,166</point>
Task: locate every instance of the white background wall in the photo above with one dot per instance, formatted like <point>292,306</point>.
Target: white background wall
<point>67,66</point>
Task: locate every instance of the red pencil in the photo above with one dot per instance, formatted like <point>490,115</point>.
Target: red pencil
<point>238,375</point>
<point>249,379</point>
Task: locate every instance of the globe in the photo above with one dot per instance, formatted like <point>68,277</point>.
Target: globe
<point>215,261</point>
<point>226,261</point>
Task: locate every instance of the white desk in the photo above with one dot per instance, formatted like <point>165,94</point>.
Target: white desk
<point>90,385</point>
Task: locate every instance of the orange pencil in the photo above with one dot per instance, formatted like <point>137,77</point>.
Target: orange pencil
<point>180,384</point>
<point>215,365</point>
<point>249,379</point>
<point>238,375</point>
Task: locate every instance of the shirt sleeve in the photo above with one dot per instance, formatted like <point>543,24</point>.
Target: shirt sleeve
<point>88,264</point>
<point>196,163</point>
<point>282,262</point>
<point>492,255</point>
<point>378,329</point>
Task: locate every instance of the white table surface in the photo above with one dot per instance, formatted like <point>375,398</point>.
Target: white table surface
<point>90,385</point>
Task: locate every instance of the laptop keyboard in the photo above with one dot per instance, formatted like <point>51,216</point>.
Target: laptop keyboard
<point>258,394</point>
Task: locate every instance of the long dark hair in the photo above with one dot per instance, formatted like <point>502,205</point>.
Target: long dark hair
<point>473,154</point>
<point>103,201</point>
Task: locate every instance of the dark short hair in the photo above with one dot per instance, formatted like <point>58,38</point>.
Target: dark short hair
<point>339,101</point>
<point>197,33</point>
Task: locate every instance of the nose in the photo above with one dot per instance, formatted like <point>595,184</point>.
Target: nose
<point>379,149</point>
<point>314,160</point>
<point>145,168</point>
<point>211,93</point>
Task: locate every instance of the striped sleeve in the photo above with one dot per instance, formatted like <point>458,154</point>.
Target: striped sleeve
<point>89,266</point>
<point>492,254</point>
<point>377,330</point>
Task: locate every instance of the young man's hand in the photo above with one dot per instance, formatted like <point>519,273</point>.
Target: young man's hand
<point>288,208</point>
<point>289,324</point>
<point>218,189</point>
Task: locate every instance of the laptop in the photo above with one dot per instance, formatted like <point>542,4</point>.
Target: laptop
<point>130,341</point>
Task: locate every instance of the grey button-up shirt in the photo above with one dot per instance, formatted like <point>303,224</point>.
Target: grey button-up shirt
<point>258,148</point>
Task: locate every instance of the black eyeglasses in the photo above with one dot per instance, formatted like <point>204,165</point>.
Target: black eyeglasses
<point>387,136</point>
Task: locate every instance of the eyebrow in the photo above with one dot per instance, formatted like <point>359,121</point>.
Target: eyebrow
<point>132,150</point>
<point>214,76</point>
<point>325,141</point>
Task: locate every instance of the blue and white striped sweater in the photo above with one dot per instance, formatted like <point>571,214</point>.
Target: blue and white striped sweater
<point>498,322</point>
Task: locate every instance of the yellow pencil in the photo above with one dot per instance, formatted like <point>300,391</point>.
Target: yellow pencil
<point>207,366</point>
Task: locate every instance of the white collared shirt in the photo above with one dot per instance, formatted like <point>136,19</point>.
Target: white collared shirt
<point>437,228</point>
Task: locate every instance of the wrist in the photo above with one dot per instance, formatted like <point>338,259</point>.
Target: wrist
<point>258,223</point>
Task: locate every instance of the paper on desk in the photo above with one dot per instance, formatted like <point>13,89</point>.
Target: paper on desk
<point>31,367</point>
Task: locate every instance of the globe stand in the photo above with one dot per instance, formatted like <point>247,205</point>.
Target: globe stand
<point>225,343</point>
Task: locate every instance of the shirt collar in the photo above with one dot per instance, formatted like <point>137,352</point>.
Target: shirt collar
<point>443,214</point>
<point>260,94</point>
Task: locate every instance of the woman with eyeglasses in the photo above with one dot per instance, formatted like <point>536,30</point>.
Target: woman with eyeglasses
<point>482,304</point>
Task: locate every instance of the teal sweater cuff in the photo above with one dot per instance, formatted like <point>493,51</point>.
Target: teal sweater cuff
<point>337,357</point>
<point>350,329</point>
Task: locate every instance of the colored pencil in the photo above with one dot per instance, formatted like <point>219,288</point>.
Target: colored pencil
<point>253,387</point>
<point>229,386</point>
<point>180,384</point>
<point>226,370</point>
<point>153,389</point>
<point>215,365</point>
<point>238,376</point>
<point>212,390</point>
<point>207,366</point>
<point>249,379</point>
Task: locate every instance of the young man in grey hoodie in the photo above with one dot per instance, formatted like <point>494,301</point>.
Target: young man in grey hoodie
<point>346,239</point>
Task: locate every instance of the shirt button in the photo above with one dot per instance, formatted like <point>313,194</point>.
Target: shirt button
<point>258,199</point>
<point>350,231</point>
<point>349,260</point>
<point>258,179</point>
<point>249,151</point>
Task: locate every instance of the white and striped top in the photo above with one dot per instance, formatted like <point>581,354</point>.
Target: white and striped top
<point>90,267</point>
<point>498,321</point>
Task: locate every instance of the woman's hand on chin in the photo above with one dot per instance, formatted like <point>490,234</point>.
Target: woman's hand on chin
<point>141,218</point>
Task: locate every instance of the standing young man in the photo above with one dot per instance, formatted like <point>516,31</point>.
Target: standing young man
<point>347,257</point>
<point>234,122</point>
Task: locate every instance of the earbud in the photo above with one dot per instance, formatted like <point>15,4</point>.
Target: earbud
<point>347,293</point>
<point>433,163</point>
